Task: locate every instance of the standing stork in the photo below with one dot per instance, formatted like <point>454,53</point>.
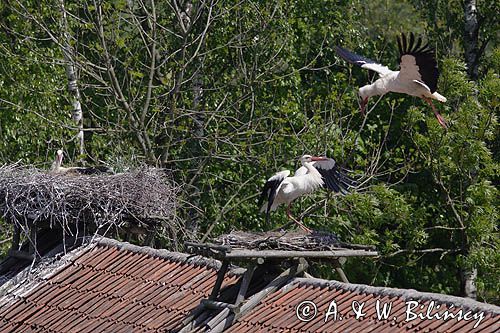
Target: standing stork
<point>418,74</point>
<point>314,173</point>
<point>56,167</point>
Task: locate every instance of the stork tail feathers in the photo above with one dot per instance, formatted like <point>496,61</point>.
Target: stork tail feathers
<point>439,97</point>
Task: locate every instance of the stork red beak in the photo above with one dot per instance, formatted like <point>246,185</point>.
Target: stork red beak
<point>363,103</point>
<point>441,120</point>
<point>439,117</point>
<point>316,158</point>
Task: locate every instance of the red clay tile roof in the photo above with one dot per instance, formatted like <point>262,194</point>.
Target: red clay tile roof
<point>278,311</point>
<point>109,287</point>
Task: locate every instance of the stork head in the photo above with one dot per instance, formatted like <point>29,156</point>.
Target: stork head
<point>308,159</point>
<point>59,157</point>
<point>58,161</point>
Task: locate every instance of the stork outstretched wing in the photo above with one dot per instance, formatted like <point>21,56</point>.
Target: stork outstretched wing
<point>417,62</point>
<point>362,61</point>
<point>335,177</point>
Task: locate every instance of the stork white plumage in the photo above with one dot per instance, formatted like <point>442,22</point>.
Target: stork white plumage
<point>418,74</point>
<point>56,167</point>
<point>314,173</point>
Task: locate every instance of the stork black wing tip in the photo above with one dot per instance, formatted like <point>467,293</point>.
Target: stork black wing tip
<point>413,44</point>
<point>341,51</point>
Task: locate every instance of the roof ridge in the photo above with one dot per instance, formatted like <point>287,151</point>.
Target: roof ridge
<point>406,294</point>
<point>166,254</point>
<point>49,265</point>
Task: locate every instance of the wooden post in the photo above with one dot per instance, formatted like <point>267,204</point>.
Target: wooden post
<point>340,272</point>
<point>224,322</point>
<point>245,282</point>
<point>220,279</point>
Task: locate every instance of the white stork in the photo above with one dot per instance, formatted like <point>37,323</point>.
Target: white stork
<point>418,74</point>
<point>314,173</point>
<point>56,167</point>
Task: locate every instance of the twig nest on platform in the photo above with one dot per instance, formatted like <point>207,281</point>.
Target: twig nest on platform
<point>283,240</point>
<point>144,197</point>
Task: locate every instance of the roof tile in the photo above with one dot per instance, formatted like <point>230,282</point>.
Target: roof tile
<point>277,312</point>
<point>111,287</point>
<point>107,288</point>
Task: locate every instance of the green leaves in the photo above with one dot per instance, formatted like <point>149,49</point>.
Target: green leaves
<point>228,104</point>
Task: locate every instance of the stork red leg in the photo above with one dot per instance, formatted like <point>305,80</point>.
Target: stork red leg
<point>300,224</point>
<point>439,117</point>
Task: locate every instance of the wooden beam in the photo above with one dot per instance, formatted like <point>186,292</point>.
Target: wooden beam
<point>342,275</point>
<point>241,254</point>
<point>200,313</point>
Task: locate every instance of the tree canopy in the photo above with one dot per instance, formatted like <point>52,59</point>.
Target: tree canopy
<point>226,93</point>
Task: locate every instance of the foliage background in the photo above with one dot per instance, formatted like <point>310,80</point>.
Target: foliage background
<point>225,94</point>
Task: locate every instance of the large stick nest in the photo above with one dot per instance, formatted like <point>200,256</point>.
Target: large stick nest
<point>286,241</point>
<point>141,197</point>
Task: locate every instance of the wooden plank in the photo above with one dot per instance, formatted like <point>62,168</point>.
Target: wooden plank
<point>240,254</point>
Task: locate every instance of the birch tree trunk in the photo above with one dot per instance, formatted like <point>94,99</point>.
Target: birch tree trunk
<point>77,114</point>
<point>472,55</point>
<point>471,38</point>
<point>199,132</point>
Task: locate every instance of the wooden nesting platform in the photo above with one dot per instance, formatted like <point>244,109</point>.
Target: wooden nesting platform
<point>262,253</point>
<point>241,245</point>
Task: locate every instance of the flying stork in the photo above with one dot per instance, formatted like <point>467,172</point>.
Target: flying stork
<point>314,173</point>
<point>56,167</point>
<point>418,74</point>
